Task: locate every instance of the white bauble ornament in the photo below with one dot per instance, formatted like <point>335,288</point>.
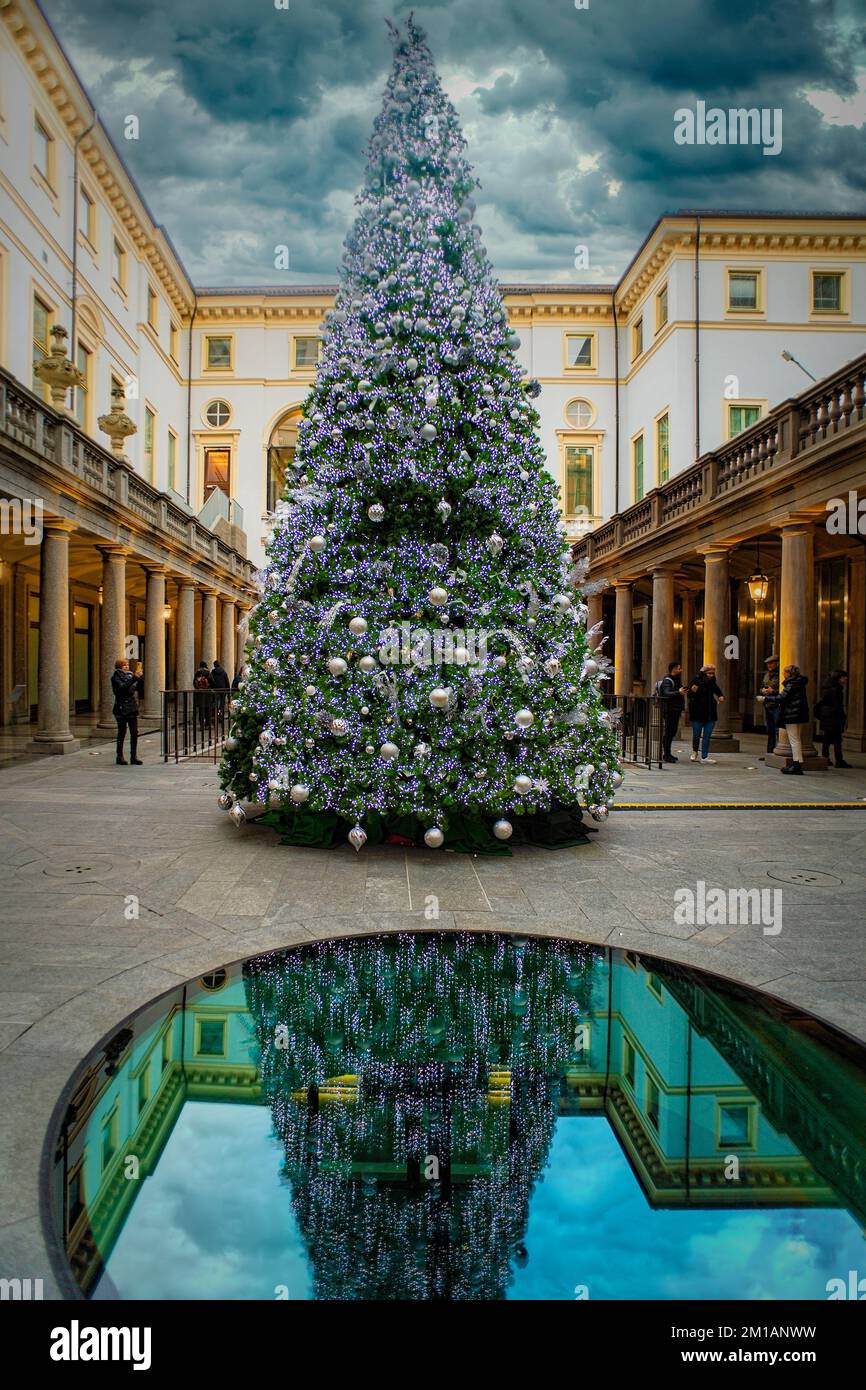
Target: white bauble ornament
<point>364,711</point>
<point>369,750</point>
<point>440,697</point>
<point>562,602</point>
<point>376,512</point>
<point>590,668</point>
<point>437,597</point>
<point>494,543</point>
<point>503,830</point>
<point>266,738</point>
<point>524,718</point>
<point>553,666</point>
<point>299,793</point>
<point>524,475</point>
<point>339,727</point>
<point>421,750</point>
<point>412,364</point>
<point>357,838</point>
<point>461,656</point>
<point>428,432</point>
<point>231,744</point>
<point>523,785</point>
<point>389,751</point>
<point>317,543</point>
<point>616,779</point>
<point>309,690</point>
<point>238,815</point>
<point>337,666</point>
<point>433,837</point>
<point>358,626</point>
<point>367,664</point>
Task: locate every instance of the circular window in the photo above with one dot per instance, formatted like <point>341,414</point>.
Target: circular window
<point>218,413</point>
<point>580,414</point>
<point>215,980</point>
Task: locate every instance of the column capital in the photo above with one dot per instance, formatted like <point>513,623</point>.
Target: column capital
<point>108,550</point>
<point>58,525</point>
<point>716,550</point>
<point>795,526</point>
<point>624,584</point>
<point>155,568</point>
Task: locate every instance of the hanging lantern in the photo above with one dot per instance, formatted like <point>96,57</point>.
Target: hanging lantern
<point>759,585</point>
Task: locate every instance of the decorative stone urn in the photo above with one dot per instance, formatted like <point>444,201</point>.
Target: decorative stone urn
<point>57,371</point>
<point>117,424</point>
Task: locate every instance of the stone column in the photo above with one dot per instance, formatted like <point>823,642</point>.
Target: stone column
<point>687,641</point>
<point>624,639</point>
<point>185,636</point>
<point>662,652</point>
<point>20,644</point>
<point>855,733</point>
<point>54,734</point>
<point>154,638</point>
<point>595,613</point>
<point>717,628</point>
<point>228,638</point>
<point>209,627</point>
<point>171,673</point>
<point>112,627</point>
<point>797,628</point>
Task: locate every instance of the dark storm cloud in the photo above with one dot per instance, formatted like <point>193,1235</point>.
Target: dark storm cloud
<point>254,120</point>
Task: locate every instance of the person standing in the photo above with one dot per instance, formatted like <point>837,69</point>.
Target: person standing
<point>220,685</point>
<point>127,687</point>
<point>794,715</point>
<point>703,697</point>
<point>201,700</point>
<point>672,693</point>
<point>831,711</point>
<point>769,694</point>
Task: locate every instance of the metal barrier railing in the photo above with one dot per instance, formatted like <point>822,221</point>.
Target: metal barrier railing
<point>194,723</point>
<point>641,727</point>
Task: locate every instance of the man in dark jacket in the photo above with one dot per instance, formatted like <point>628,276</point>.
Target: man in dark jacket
<point>831,711</point>
<point>769,693</point>
<point>703,696</point>
<point>794,715</point>
<point>219,680</point>
<point>202,700</point>
<point>127,686</point>
<point>672,693</point>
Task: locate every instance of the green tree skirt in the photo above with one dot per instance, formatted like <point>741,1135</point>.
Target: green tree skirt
<point>467,833</point>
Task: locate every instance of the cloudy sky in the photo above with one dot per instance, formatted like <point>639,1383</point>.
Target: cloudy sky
<point>254,120</point>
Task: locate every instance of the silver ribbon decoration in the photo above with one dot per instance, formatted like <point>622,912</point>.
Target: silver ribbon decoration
<point>386,684</point>
<point>327,619</point>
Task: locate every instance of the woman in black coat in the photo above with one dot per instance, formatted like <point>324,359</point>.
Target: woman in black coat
<point>794,714</point>
<point>832,714</point>
<point>127,686</point>
<point>703,696</point>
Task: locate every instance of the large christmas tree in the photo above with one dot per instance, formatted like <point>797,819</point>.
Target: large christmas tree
<point>419,664</point>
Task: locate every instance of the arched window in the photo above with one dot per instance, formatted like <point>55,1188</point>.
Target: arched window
<point>281,451</point>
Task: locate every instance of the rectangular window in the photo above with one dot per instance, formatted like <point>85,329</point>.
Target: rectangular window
<point>118,264</point>
<point>735,1126</point>
<point>210,1037</point>
<point>143,1087</point>
<point>743,291</point>
<point>661,308</point>
<point>43,156</point>
<point>654,985</point>
<point>82,393</point>
<point>217,467</point>
<point>579,467</point>
<point>109,1139</point>
<point>166,1048</point>
<point>740,417</point>
<point>174,342</point>
<point>826,292</point>
<point>637,339</point>
<point>87,216</point>
<point>75,1190</point>
<point>171,461</point>
<point>580,351</point>
<point>42,317</point>
<point>637,467</point>
<point>652,1102</point>
<point>628,1062</point>
<point>307,353</point>
<point>152,308</point>
<point>218,353</point>
<point>663,447</point>
<point>149,428</point>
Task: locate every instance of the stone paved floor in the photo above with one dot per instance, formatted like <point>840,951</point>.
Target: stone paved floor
<point>78,835</point>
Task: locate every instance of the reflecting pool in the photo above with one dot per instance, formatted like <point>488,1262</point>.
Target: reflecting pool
<point>463,1116</point>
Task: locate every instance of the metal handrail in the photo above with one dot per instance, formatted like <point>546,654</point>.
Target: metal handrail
<point>194,724</point>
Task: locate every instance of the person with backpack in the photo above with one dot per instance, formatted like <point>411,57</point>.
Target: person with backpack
<point>794,715</point>
<point>769,697</point>
<point>669,690</point>
<point>703,697</point>
<point>831,712</point>
<point>201,699</point>
<point>127,686</point>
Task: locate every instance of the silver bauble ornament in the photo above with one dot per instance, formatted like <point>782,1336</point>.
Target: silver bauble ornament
<point>357,837</point>
<point>440,697</point>
<point>266,738</point>
<point>367,664</point>
<point>433,837</point>
<point>616,779</point>
<point>225,801</point>
<point>389,751</point>
<point>339,727</point>
<point>553,666</point>
<point>421,750</point>
<point>503,830</point>
<point>523,785</point>
<point>237,814</point>
<point>428,432</point>
<point>494,543</point>
<point>562,602</point>
<point>437,597</point>
<point>358,626</point>
<point>308,690</point>
<point>599,812</point>
<point>376,512</point>
<point>231,744</point>
<point>590,667</point>
<point>273,617</point>
<point>299,793</point>
<point>317,543</point>
<point>524,718</point>
<point>337,666</point>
